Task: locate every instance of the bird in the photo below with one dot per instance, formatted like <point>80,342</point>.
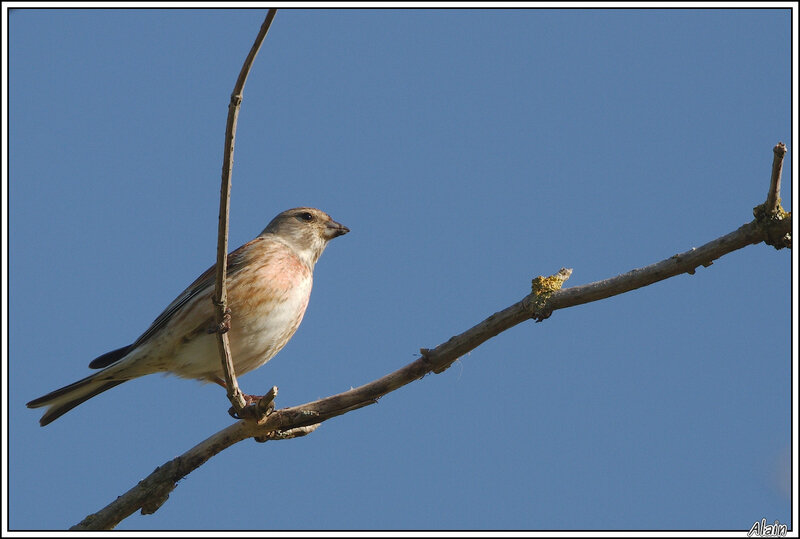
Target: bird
<point>268,285</point>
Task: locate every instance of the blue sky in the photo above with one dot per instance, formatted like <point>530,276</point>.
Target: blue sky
<point>468,151</point>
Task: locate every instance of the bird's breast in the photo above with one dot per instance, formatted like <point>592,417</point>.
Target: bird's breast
<point>267,305</point>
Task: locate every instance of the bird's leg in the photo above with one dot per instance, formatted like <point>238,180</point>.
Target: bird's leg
<point>248,399</point>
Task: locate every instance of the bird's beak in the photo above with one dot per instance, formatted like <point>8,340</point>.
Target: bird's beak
<point>334,229</point>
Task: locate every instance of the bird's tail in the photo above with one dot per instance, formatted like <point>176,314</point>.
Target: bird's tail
<point>61,401</point>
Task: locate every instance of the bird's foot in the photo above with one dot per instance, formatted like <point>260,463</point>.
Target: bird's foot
<point>256,406</point>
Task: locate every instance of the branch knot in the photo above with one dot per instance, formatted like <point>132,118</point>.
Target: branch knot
<point>769,221</point>
<point>432,365</point>
<point>224,326</point>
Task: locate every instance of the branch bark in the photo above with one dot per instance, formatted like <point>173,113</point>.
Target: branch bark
<point>223,315</point>
<point>545,298</point>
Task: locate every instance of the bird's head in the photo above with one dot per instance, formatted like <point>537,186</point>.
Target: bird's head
<point>306,230</point>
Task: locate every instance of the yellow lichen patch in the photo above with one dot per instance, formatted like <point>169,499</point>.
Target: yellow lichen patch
<point>541,289</point>
<point>761,214</point>
<point>547,285</point>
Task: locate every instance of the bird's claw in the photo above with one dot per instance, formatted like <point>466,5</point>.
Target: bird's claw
<point>224,326</point>
<point>256,406</point>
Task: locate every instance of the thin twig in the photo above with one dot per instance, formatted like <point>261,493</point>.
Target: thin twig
<point>222,313</point>
<point>153,490</point>
<point>774,194</point>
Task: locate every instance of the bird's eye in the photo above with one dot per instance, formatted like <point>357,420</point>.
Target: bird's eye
<point>305,216</point>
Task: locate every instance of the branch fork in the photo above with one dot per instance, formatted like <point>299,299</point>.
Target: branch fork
<point>771,213</point>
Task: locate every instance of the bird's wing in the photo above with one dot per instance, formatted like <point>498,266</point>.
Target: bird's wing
<point>236,260</point>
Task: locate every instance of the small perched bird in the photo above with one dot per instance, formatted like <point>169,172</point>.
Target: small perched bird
<point>268,282</point>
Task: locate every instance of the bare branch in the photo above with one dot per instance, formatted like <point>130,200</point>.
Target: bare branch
<point>545,298</point>
<point>439,358</point>
<point>222,313</point>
